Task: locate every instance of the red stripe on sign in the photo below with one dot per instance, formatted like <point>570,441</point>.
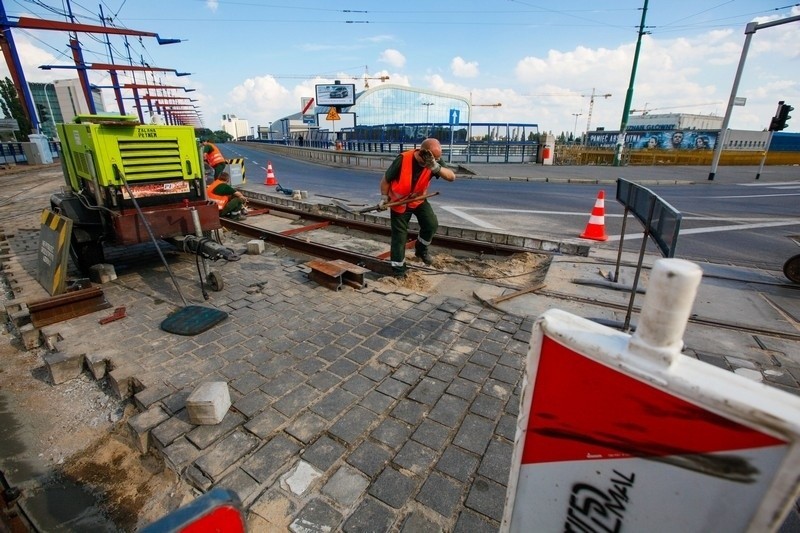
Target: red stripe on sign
<point>582,409</point>
<point>307,107</point>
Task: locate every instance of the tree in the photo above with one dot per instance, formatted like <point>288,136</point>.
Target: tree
<point>12,108</point>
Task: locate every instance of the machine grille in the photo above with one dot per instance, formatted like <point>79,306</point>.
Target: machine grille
<point>151,159</point>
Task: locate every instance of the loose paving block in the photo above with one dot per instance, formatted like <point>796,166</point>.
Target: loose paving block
<point>96,364</point>
<point>63,367</point>
<point>102,273</point>
<point>31,336</point>
<point>255,247</point>
<point>208,403</point>
<point>141,424</point>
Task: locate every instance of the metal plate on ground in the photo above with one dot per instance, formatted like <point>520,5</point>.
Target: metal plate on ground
<point>193,319</point>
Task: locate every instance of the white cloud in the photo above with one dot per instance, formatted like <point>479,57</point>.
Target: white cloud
<point>464,69</point>
<point>393,57</point>
<point>212,5</point>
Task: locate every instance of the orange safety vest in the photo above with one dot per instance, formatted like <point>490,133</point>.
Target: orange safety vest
<point>214,157</point>
<point>400,189</point>
<point>220,200</point>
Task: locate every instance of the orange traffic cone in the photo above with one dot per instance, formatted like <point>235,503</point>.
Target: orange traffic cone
<point>270,175</point>
<point>596,228</point>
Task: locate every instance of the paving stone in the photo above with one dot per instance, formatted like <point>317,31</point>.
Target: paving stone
<point>180,453</point>
<point>345,486</point>
<point>306,427</point>
<point>392,487</point>
<point>377,402</point>
<point>334,403</point>
<point>371,516</point>
<point>392,358</point>
<point>507,427</point>
<point>248,382</point>
<point>146,398</point>
<point>283,383</point>
<point>140,426</point>
<point>343,367</point>
<point>474,434</point>
<point>225,453</point>
<point>271,459</point>
<point>175,402</point>
<point>168,431</point>
<point>317,515</point>
<point>252,403</point>
<point>496,462</point>
<point>297,400</point>
<point>486,406</point>
<point>375,371</point>
<point>351,427</point>
<point>203,436</point>
<point>392,387</point>
<point>416,522</point>
<point>324,381</point>
<point>239,482</point>
<point>391,432</point>
<point>265,423</point>
<point>463,388</point>
<point>323,453</point>
<point>358,385</point>
<point>407,374</point>
<point>448,410</point>
<point>431,434</point>
<point>196,477</point>
<point>442,494</point>
<point>457,463</point>
<point>474,373</point>
<point>428,391</point>
<point>487,497</point>
<point>369,458</point>
<point>415,458</point>
<point>310,366</point>
<point>506,374</point>
<point>300,478</point>
<point>409,411</point>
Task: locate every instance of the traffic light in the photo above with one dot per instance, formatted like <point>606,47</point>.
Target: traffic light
<point>779,121</point>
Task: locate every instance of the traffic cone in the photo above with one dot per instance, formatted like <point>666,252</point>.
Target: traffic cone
<point>270,175</point>
<point>596,228</point>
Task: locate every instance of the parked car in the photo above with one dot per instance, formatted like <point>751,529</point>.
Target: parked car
<point>339,92</point>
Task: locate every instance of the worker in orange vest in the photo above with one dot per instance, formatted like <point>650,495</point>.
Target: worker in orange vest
<point>213,158</point>
<point>231,203</point>
<point>409,176</point>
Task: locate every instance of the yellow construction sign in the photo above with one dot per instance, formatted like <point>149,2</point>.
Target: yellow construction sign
<point>332,114</point>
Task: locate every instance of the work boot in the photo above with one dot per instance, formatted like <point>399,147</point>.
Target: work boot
<point>399,273</point>
<point>422,253</point>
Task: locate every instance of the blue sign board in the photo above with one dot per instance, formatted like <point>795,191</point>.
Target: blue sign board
<point>454,113</point>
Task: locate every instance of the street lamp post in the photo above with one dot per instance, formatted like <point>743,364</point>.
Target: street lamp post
<point>575,127</point>
<point>427,112</point>
<point>469,123</point>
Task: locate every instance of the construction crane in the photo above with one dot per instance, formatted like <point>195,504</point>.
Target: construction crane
<point>591,106</point>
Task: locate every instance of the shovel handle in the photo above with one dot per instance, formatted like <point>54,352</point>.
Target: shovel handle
<point>399,202</point>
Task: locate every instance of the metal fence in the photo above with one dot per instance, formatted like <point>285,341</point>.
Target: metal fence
<point>12,153</point>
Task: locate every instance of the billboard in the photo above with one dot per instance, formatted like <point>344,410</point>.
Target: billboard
<point>336,94</point>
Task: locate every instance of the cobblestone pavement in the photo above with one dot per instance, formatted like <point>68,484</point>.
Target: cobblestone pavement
<point>377,409</point>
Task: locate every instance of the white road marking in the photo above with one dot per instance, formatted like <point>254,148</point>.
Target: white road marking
<point>765,184</point>
<point>756,195</point>
<point>716,229</point>
<point>475,220</point>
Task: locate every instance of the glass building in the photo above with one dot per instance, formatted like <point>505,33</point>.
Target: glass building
<point>390,118</point>
<point>47,109</point>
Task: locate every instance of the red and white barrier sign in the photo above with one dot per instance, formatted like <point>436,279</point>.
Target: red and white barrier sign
<point>621,433</point>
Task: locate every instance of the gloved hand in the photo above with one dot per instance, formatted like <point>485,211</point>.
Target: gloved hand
<point>430,162</point>
<point>384,201</point>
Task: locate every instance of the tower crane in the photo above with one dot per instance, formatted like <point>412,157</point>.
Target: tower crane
<point>365,77</point>
<point>591,106</point>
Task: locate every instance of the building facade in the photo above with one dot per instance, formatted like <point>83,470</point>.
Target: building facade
<point>238,128</point>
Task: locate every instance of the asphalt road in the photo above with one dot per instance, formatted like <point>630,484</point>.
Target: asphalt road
<point>740,221</point>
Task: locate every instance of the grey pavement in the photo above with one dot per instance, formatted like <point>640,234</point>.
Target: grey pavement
<point>383,408</point>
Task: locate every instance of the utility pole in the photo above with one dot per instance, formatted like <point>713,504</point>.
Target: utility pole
<point>629,97</point>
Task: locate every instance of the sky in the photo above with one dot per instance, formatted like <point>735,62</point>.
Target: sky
<point>541,61</point>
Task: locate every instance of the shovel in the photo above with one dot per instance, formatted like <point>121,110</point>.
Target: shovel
<point>376,207</point>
